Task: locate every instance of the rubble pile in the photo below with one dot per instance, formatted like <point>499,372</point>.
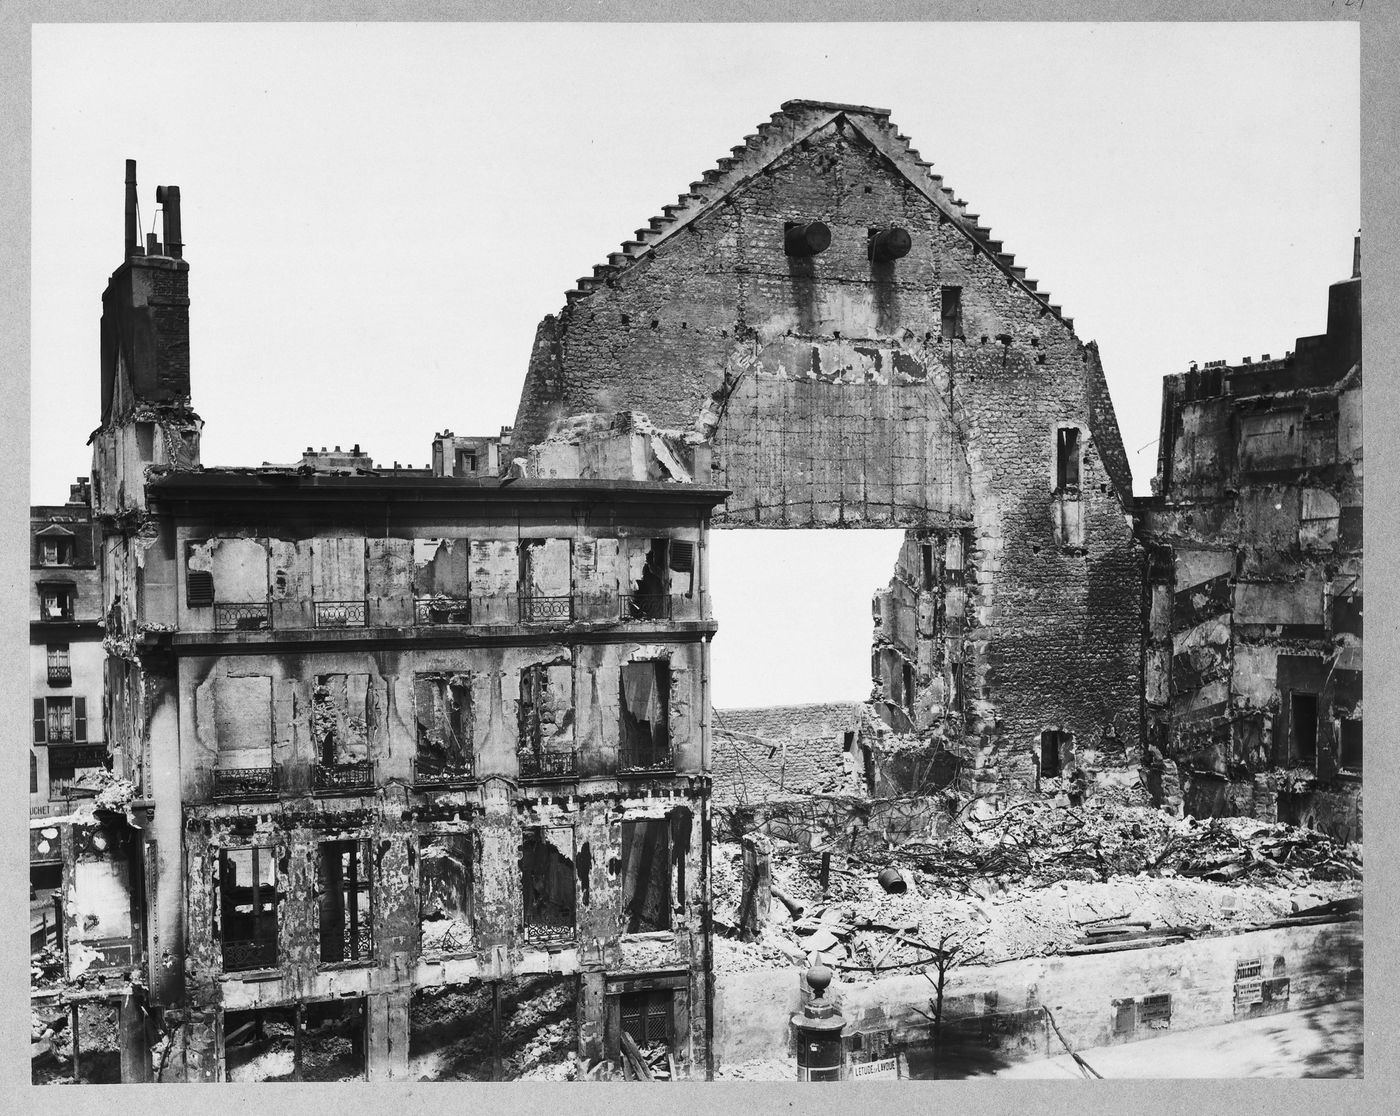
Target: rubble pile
<point>1034,879</point>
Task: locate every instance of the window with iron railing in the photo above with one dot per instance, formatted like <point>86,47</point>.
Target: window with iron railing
<point>341,708</point>
<point>546,581</point>
<point>548,884</point>
<point>546,714</point>
<point>443,717</point>
<point>344,892</point>
<point>60,669</point>
<point>248,900</point>
<point>353,777</point>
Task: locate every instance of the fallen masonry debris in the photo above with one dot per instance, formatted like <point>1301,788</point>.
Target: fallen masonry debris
<point>1035,878</point>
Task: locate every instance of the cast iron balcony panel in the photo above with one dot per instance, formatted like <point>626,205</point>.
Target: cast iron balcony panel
<point>549,765</point>
<point>357,942</point>
<point>242,617</point>
<point>656,761</point>
<point>442,610</point>
<point>233,783</point>
<point>343,778</point>
<point>241,956</point>
<point>646,606</point>
<point>437,773</point>
<point>546,610</point>
<point>339,614</point>
<point>543,934</point>
<point>60,732</point>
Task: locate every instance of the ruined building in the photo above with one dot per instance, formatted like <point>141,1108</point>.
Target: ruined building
<point>1253,656</point>
<point>416,757</point>
<point>847,346</point>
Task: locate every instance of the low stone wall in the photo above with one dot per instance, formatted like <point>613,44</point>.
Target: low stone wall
<point>1097,999</point>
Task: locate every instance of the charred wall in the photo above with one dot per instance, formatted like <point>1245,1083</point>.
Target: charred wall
<point>838,389</point>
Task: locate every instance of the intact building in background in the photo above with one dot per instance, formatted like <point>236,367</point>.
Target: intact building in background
<point>65,652</point>
<point>855,350</point>
<point>1254,598</point>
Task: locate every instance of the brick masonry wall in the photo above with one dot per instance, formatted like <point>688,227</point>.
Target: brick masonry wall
<point>795,749</point>
<point>834,400</point>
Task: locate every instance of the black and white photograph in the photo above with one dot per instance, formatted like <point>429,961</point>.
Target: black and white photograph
<point>614,552</point>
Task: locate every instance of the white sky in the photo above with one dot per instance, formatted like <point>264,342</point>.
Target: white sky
<point>378,215</point>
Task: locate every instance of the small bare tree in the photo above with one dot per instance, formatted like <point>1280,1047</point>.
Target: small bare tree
<point>950,952</point>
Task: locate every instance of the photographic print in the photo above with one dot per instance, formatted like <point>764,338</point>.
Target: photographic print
<point>676,553</point>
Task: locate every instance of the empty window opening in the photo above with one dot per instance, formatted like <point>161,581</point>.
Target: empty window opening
<point>1067,459</point>
<point>1349,751</point>
<point>646,740</point>
<point>548,883</point>
<point>952,317</point>
<point>931,563</point>
<point>646,875</point>
<point>794,613</point>
<point>1302,727</point>
<point>494,1030</point>
<point>340,713</point>
<point>908,691</point>
<point>443,715</point>
<point>648,593</point>
<point>319,1041</point>
<point>445,904</point>
<point>1052,742</point>
<point>85,1049</point>
<point>546,721</point>
<point>466,463</point>
<point>441,581</point>
<point>546,580</point>
<point>248,901</point>
<point>344,893</point>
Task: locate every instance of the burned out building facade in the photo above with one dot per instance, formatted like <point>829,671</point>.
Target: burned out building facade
<point>417,759</point>
<point>1253,657</point>
<point>851,348</point>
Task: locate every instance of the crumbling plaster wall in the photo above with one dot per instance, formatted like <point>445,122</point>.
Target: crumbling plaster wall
<point>832,399</point>
<point>1255,591</point>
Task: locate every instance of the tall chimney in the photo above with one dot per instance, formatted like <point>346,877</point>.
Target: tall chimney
<point>1356,258</point>
<point>169,198</point>
<point>133,235</point>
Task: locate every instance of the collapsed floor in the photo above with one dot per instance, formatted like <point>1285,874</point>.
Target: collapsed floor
<point>1035,879</point>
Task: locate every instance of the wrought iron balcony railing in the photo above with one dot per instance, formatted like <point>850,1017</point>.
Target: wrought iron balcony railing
<point>60,733</point>
<point>543,610</point>
<point>356,943</point>
<point>442,610</point>
<point>248,617</point>
<point>245,782</point>
<point>338,614</point>
<point>60,669</point>
<point>429,771</point>
<point>549,765</point>
<point>541,933</point>
<point>645,762</point>
<point>343,778</point>
<point>646,606</point>
<point>259,954</point>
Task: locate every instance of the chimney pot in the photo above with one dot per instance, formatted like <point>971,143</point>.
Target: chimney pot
<point>133,234</point>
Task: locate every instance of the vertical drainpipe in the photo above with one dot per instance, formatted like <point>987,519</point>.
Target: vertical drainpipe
<point>706,916</point>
